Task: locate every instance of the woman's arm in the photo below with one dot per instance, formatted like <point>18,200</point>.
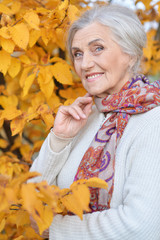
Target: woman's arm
<point>56,148</point>
<point>138,217</point>
<point>50,161</point>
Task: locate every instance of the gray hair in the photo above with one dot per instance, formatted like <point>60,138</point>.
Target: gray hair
<point>124,24</point>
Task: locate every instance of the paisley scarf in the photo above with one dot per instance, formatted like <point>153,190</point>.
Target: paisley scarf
<point>138,95</point>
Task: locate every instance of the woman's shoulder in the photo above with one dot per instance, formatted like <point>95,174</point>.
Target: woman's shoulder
<point>151,116</point>
<point>139,123</point>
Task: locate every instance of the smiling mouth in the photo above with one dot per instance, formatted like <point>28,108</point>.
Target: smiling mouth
<point>92,77</point>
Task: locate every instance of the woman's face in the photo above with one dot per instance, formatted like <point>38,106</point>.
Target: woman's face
<point>99,61</point>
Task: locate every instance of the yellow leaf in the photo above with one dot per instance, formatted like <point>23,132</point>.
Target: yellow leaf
<point>20,238</point>
<point>2,224</point>
<point>32,54</point>
<point>5,61</point>
<point>25,59</point>
<point>23,178</point>
<point>46,35</point>
<point>15,67</point>
<point>1,122</point>
<point>28,83</point>
<point>33,37</point>
<point>46,73</point>
<point>48,119</point>
<point>32,114</point>
<point>24,75</point>
<point>37,99</point>
<point>32,19</point>
<point>69,101</point>
<point>4,32</point>
<point>82,195</point>
<point>72,205</point>
<point>8,45</point>
<point>62,73</point>
<point>63,5</point>
<point>10,195</point>
<point>97,183</point>
<point>26,152</point>
<point>17,124</point>
<point>15,7</point>
<point>3,143</point>
<point>31,232</point>
<point>60,15</point>
<point>32,204</point>
<point>148,50</point>
<point>22,218</point>
<point>5,9</point>
<point>20,35</point>
<point>72,92</point>
<point>37,145</point>
<point>46,115</point>
<point>48,216</point>
<point>60,36</point>
<point>10,113</point>
<point>54,101</point>
<point>10,101</point>
<point>72,13</point>
<point>47,88</point>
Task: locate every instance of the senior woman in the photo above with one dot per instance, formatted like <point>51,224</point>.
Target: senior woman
<point>117,139</point>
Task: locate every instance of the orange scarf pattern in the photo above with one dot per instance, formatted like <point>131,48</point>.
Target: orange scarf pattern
<point>138,95</point>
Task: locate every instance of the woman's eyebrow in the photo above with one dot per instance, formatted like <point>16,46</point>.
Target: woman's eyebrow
<point>94,40</point>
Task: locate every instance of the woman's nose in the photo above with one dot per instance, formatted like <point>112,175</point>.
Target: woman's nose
<point>87,61</point>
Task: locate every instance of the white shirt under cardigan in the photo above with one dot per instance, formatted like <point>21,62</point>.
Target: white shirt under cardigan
<point>135,204</point>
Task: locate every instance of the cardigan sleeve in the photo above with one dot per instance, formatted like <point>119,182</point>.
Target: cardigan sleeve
<point>138,216</point>
<point>49,162</point>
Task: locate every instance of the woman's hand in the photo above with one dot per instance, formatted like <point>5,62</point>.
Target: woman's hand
<point>70,119</point>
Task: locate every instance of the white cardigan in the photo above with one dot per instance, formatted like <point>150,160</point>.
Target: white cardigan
<point>135,203</point>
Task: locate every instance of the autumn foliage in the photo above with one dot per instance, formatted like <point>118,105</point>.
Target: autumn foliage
<point>35,79</point>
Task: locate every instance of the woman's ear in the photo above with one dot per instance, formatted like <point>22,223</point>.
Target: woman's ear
<point>132,62</point>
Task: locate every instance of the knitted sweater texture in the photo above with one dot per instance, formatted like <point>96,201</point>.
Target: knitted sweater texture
<point>135,204</point>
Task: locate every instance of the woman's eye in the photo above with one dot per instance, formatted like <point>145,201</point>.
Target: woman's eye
<point>99,48</point>
<point>77,54</point>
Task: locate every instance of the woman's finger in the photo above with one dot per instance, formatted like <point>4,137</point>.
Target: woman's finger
<point>79,111</point>
<point>83,100</point>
